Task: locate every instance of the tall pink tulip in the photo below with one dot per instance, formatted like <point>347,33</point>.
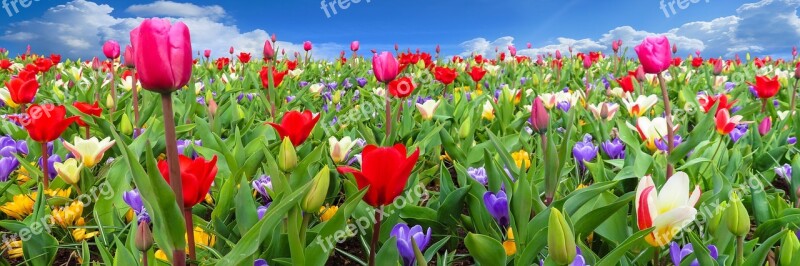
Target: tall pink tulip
<point>385,67</point>
<point>274,37</point>
<point>269,53</point>
<point>540,119</point>
<point>512,50</point>
<point>207,53</point>
<point>654,54</point>
<point>354,46</point>
<point>111,49</point>
<point>765,126</point>
<point>163,54</point>
<point>307,46</point>
<point>128,56</point>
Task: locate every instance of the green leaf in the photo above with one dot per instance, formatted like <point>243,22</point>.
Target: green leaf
<point>485,250</point>
<point>615,256</point>
<point>759,255</point>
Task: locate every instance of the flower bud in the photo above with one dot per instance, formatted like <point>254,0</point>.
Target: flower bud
<point>790,249</point>
<point>144,238</point>
<point>69,170</point>
<point>318,192</point>
<point>466,127</point>
<point>539,116</point>
<point>560,239</point>
<point>109,101</point>
<point>125,125</point>
<point>797,71</point>
<point>287,156</point>
<point>736,217</point>
<point>713,224</point>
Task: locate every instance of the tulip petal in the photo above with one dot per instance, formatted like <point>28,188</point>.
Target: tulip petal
<point>675,193</point>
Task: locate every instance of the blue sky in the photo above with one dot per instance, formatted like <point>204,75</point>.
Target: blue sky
<point>718,28</point>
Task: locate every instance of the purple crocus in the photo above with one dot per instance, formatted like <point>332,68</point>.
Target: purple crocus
<point>52,160</point>
<point>261,184</point>
<point>302,83</point>
<point>361,82</point>
<point>346,84</point>
<point>738,132</point>
<point>260,262</point>
<point>791,140</point>
<point>134,199</point>
<point>678,254</point>
<point>584,151</point>
<point>497,205</point>
<point>564,106</point>
<point>289,98</point>
<point>578,261</point>
<point>479,174</point>
<point>784,171</point>
<point>614,148</point>
<point>7,166</point>
<point>404,236</point>
<point>662,144</point>
<point>183,144</point>
<point>262,210</point>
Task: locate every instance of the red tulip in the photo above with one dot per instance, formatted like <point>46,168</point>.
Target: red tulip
<point>697,62</point>
<point>56,58</point>
<point>291,65</point>
<point>296,126</point>
<point>244,57</point>
<point>5,64</point>
<point>196,176</point>
<point>445,75</point>
<point>626,82</point>
<point>654,54</point>
<point>385,170</point>
<point>767,87</point>
<point>89,109</point>
<point>477,73</point>
<point>277,77</point>
<point>725,123</point>
<point>385,67</point>
<point>163,54</point>
<point>111,49</point>
<point>708,102</point>
<point>402,87</point>
<point>46,122</point>
<point>22,91</point>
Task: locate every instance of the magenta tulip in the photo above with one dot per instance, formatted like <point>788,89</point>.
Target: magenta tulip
<point>512,50</point>
<point>765,126</point>
<point>230,50</point>
<point>529,45</point>
<point>539,116</point>
<point>207,53</point>
<point>654,54</point>
<point>269,53</point>
<point>385,67</point>
<point>111,49</point>
<point>163,54</point>
<point>128,56</point>
<point>307,46</point>
<point>274,38</point>
<point>558,55</point>
<point>354,46</point>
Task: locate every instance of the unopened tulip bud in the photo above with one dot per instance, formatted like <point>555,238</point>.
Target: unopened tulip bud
<point>318,192</point>
<point>674,48</point>
<point>765,126</point>
<point>463,131</point>
<point>715,221</point>
<point>736,217</point>
<point>718,67</point>
<point>287,156</point>
<point>560,240</point>
<point>109,101</point>
<point>797,71</point>
<point>540,119</point>
<point>790,249</point>
<point>212,106</point>
<point>143,240</point>
<point>587,62</point>
<point>274,38</point>
<point>125,125</point>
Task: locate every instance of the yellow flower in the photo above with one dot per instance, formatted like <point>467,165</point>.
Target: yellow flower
<point>326,213</point>
<point>446,157</point>
<point>209,199</point>
<point>69,170</point>
<point>129,215</point>
<point>14,249</point>
<point>90,151</point>
<point>509,245</point>
<point>581,186</point>
<point>20,206</point>
<point>22,175</point>
<point>5,96</point>
<point>70,215</point>
<point>201,238</point>
<point>80,234</point>
<point>59,193</point>
<point>161,255</point>
<point>521,159</point>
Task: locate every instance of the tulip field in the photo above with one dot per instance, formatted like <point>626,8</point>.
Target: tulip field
<point>643,156</point>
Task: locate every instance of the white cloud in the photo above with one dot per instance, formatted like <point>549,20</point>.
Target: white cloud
<point>769,27</point>
<point>56,31</point>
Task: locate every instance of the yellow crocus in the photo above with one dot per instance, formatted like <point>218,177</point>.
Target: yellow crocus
<point>326,213</point>
<point>521,159</point>
<point>509,245</point>
<point>20,206</point>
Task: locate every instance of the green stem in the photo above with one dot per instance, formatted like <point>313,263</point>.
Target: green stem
<point>296,248</point>
<point>306,221</point>
<point>739,250</point>
<point>376,232</point>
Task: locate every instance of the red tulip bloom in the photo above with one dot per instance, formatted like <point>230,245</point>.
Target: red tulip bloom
<point>277,77</point>
<point>244,58</point>
<point>296,125</point>
<point>291,65</point>
<point>626,82</point>
<point>22,91</point>
<point>445,75</point>
<point>43,64</point>
<point>5,64</point>
<point>385,170</point>
<point>676,62</point>
<point>477,73</point>
<point>56,58</point>
<point>697,62</point>
<point>766,87</point>
<point>708,102</point>
<point>402,87</point>
<point>726,123</point>
<point>196,175</point>
<point>46,122</point>
<point>89,109</point>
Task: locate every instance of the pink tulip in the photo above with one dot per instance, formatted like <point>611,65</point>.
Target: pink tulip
<point>587,61</point>
<point>396,48</point>
<point>558,55</point>
<point>615,46</point>
<point>274,38</point>
<point>307,46</point>
<point>385,67</point>
<point>230,50</point>
<point>163,54</point>
<point>765,126</point>
<point>128,56</point>
<point>539,116</point>
<point>529,45</point>
<point>512,50</point>
<point>111,49</point>
<point>654,54</point>
<point>269,53</point>
<point>354,46</point>
<point>674,48</point>
<point>438,49</point>
<point>207,53</point>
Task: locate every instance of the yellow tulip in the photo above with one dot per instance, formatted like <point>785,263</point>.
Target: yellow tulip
<point>69,170</point>
<point>90,151</point>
